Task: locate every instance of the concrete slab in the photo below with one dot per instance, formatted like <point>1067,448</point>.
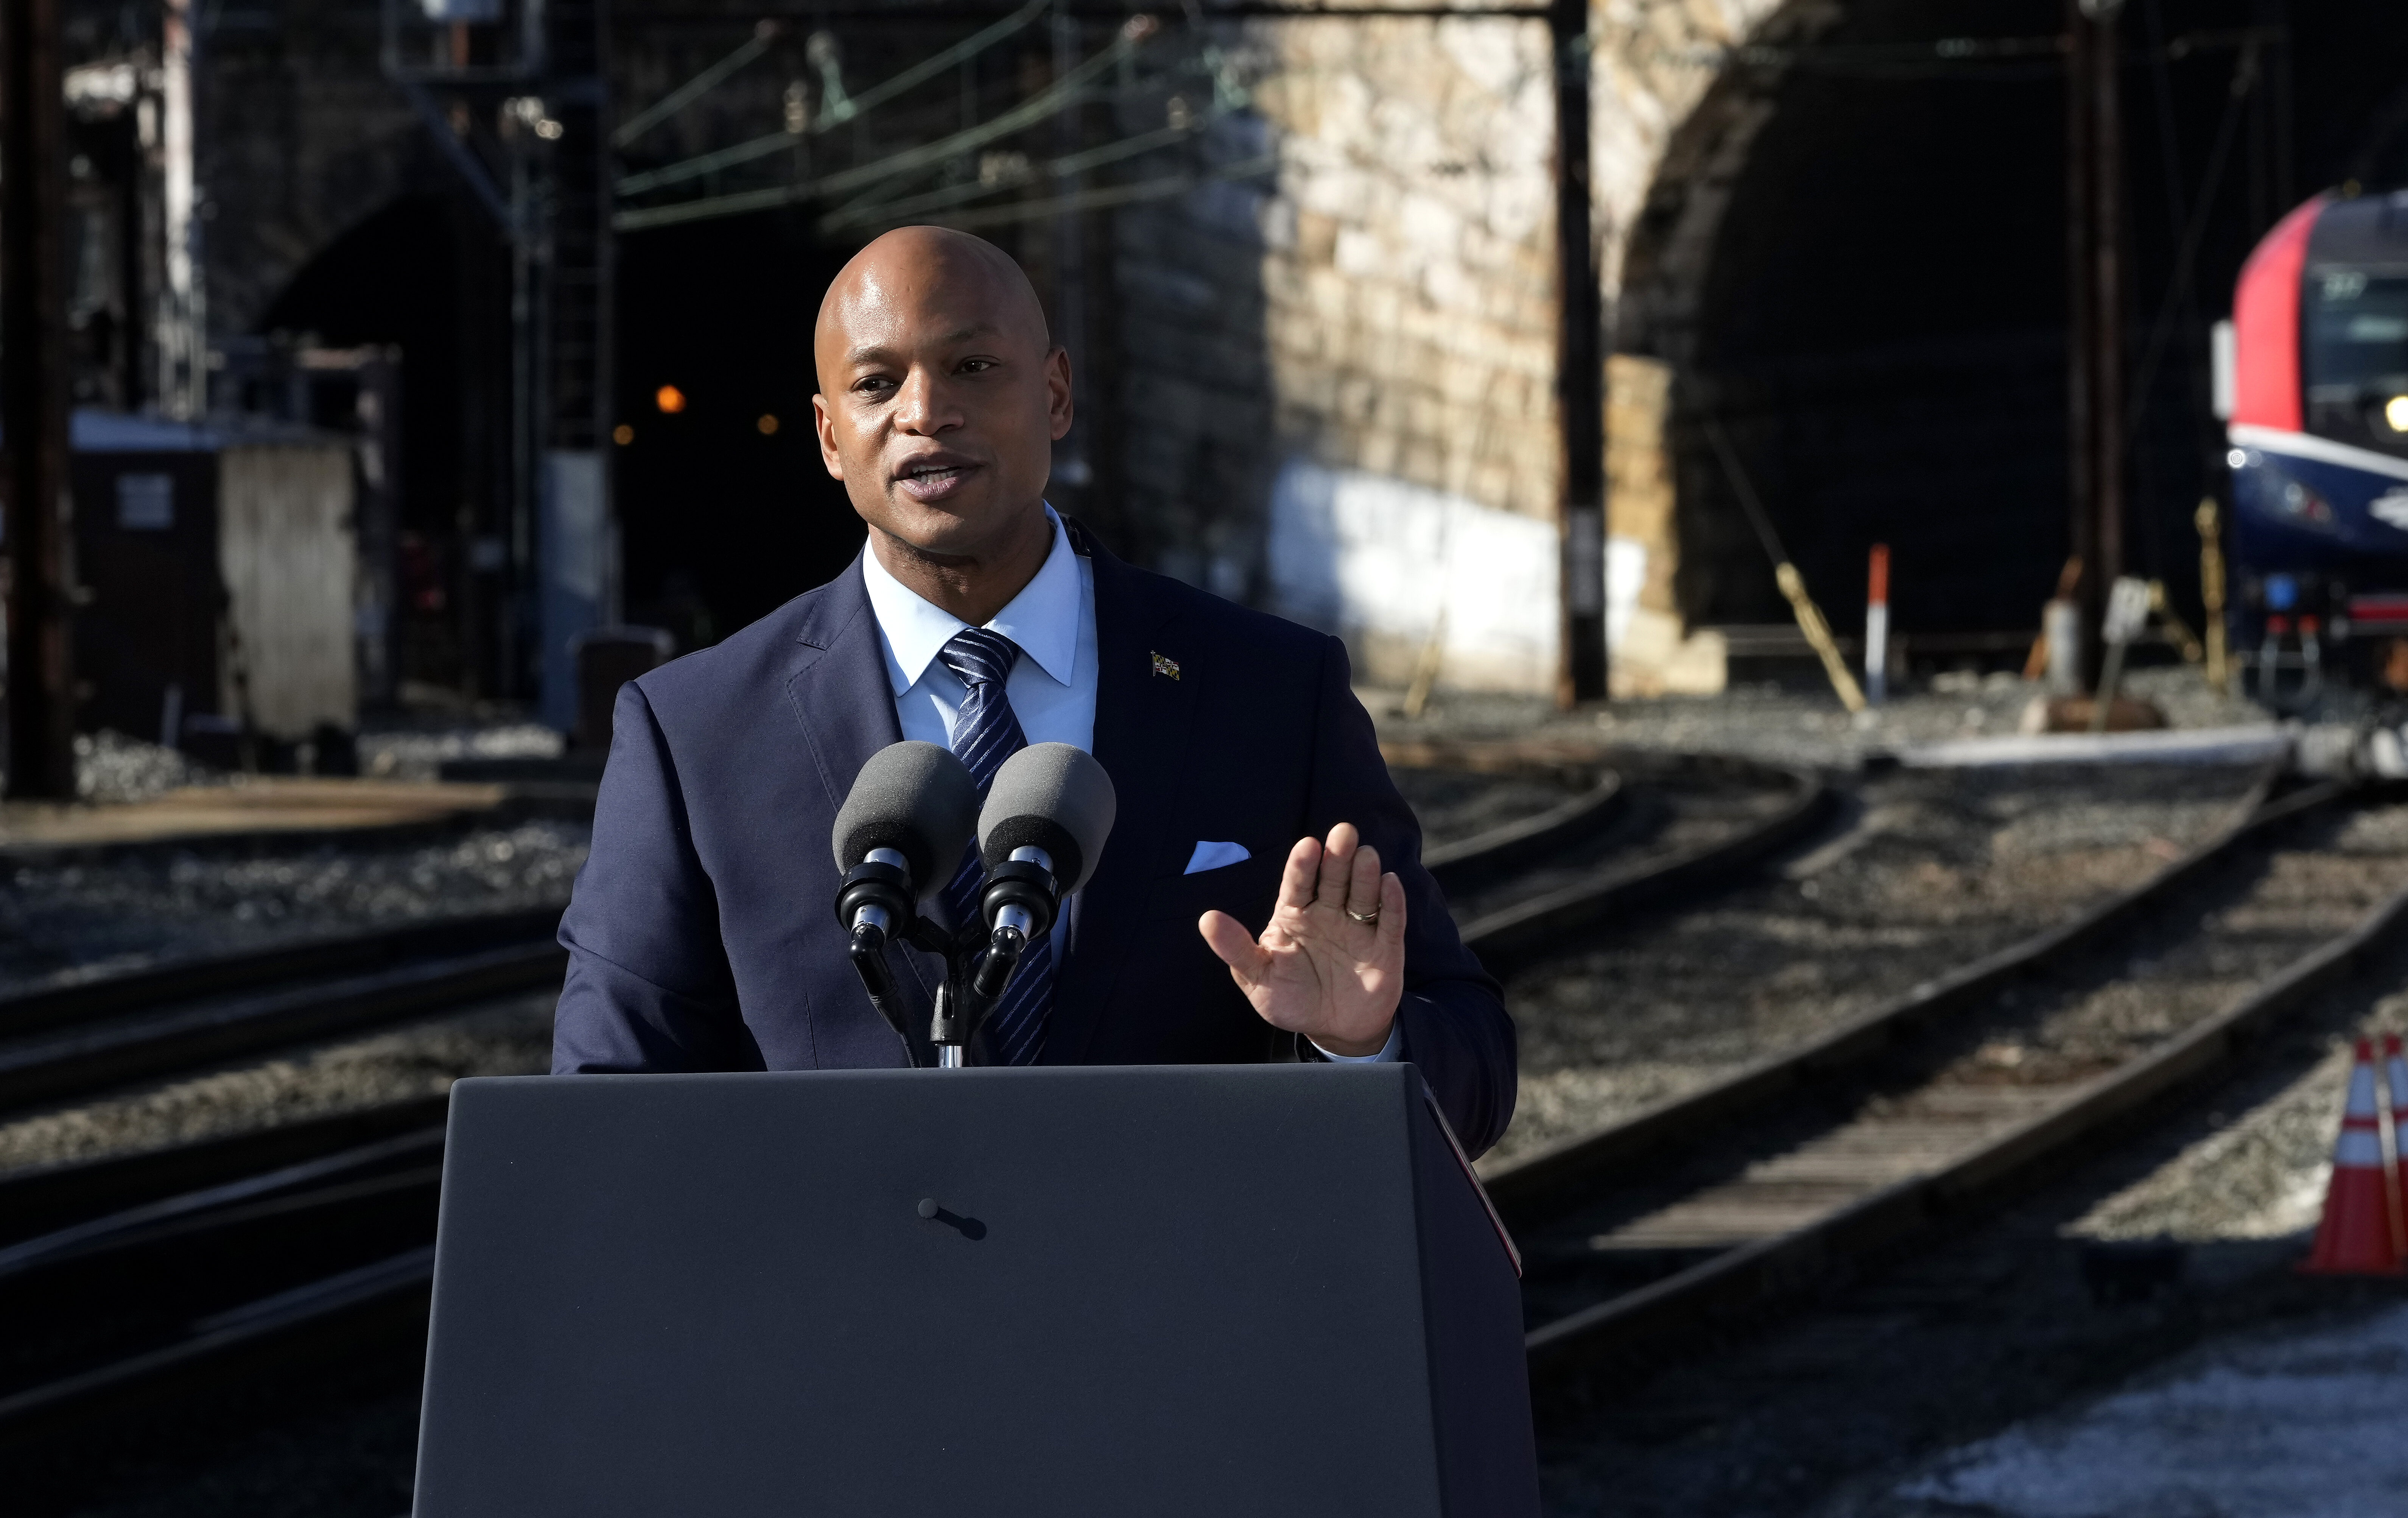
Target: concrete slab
<point>250,807</point>
<point>2251,745</point>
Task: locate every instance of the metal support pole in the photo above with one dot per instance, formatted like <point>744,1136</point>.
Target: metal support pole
<point>1072,466</point>
<point>2093,327</point>
<point>2082,532</point>
<point>34,402</point>
<point>1580,368</point>
<point>2107,292</point>
<point>518,537</point>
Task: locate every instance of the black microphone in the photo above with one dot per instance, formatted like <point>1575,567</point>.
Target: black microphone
<point>1041,834</point>
<point>898,839</point>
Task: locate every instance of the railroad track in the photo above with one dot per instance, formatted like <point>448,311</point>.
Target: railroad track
<point>1712,1205</point>
<point>312,1242</point>
<point>129,1279</point>
<point>172,1295</point>
<point>84,1035</point>
<point>1644,833</point>
<point>304,1241</point>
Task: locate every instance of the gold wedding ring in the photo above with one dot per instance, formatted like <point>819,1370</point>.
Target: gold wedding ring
<point>1368,920</point>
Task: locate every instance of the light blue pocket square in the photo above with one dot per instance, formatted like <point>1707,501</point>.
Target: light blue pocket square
<point>1213,856</point>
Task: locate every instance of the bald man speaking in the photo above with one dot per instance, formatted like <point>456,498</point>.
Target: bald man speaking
<point>1261,896</point>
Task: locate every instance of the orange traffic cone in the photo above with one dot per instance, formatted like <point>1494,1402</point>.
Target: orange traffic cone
<point>2395,1072</point>
<point>2355,1238</point>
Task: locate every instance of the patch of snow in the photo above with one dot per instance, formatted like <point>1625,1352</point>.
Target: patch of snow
<point>2273,1425</point>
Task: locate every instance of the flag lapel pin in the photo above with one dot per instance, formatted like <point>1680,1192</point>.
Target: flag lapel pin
<point>1166,666</point>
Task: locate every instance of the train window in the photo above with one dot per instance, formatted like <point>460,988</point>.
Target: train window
<point>2355,355</point>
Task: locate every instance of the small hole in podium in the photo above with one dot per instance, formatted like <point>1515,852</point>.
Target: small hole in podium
<point>970,1228</point>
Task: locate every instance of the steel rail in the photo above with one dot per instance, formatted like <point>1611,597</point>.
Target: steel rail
<point>1539,1183</point>
<point>1754,1275</point>
<point>1517,844</point>
<point>82,998</point>
<point>1515,936</point>
<point>130,1047</point>
<point>296,1202</point>
<point>305,1182</point>
<point>276,1178</point>
<point>312,1320</point>
<point>36,1202</point>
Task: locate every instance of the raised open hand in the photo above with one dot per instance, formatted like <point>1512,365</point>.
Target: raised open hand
<point>1330,965</point>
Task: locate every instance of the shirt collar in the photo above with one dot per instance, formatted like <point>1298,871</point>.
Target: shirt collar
<point>1043,619</point>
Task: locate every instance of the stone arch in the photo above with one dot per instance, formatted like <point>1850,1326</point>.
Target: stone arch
<point>1855,275</point>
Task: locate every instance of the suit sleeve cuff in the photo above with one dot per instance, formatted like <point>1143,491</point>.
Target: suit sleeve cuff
<point>1388,1051</point>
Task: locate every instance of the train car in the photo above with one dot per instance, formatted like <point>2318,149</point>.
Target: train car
<point>2313,379</point>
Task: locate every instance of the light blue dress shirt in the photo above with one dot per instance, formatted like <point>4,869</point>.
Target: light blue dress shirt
<point>1053,686</point>
<point>1053,619</point>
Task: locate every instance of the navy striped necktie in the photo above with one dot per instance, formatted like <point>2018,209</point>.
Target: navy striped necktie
<point>986,734</point>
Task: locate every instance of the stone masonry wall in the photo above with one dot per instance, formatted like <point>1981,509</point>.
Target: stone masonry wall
<point>1340,373</point>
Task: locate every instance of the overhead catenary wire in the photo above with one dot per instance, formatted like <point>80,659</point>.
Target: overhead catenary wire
<point>764,33</point>
<point>854,108</point>
<point>1111,10</point>
<point>2245,83</point>
<point>953,195</point>
<point>1110,197</point>
<point>1028,114</point>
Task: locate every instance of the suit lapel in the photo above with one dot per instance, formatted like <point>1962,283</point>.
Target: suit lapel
<point>838,688</point>
<point>840,698</point>
<point>1142,720</point>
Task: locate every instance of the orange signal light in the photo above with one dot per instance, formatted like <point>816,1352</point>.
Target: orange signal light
<point>670,399</point>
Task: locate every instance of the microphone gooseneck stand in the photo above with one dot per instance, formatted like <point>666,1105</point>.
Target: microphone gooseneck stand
<point>1020,899</point>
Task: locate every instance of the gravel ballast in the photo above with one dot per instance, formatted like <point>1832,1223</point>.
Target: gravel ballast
<point>137,906</point>
<point>506,1038</point>
<point>1795,724</point>
<point>1855,1407</point>
<point>1928,871</point>
<point>1899,1392</point>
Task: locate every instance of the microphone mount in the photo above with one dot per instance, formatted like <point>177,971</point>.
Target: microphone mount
<point>1018,906</point>
<point>1045,815</point>
<point>875,904</point>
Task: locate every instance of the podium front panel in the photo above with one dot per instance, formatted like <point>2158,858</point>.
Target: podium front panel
<point>1161,1291</point>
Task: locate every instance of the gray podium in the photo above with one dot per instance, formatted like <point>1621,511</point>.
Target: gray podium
<point>1257,1290</point>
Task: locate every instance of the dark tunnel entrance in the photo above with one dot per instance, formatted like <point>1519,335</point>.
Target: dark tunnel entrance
<point>725,509</point>
<point>1879,329</point>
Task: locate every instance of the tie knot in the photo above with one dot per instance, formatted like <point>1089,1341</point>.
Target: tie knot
<point>979,656</point>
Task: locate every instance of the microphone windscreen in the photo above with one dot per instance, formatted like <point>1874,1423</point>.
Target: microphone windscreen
<point>916,799</point>
<point>1053,797</point>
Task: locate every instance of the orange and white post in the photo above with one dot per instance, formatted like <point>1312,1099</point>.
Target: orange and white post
<point>1877,624</point>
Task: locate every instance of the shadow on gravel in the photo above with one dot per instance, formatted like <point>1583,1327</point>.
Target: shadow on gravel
<point>335,1441</point>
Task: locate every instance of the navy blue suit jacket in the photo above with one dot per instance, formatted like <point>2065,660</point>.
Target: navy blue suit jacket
<point>702,934</point>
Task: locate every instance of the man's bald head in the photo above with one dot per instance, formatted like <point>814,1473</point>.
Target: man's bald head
<point>912,262</point>
<point>940,393</point>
